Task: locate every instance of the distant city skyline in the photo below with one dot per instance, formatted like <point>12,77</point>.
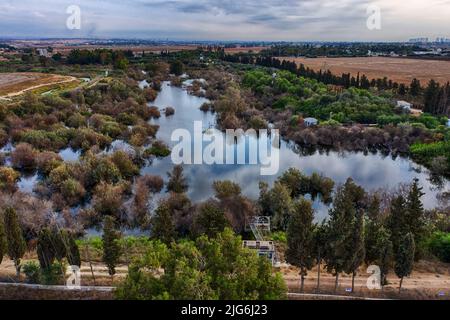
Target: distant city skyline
<point>244,20</point>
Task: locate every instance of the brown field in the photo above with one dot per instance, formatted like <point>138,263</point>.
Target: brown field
<point>14,84</point>
<point>401,70</point>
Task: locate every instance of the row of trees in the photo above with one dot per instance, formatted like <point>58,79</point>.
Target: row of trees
<point>436,98</point>
<point>100,56</point>
<point>357,232</point>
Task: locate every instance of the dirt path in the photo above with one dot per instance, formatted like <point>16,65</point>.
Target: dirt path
<point>20,92</point>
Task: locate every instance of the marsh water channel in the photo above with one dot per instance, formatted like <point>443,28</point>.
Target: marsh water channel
<point>370,170</point>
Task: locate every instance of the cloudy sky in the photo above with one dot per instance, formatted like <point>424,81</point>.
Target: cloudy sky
<point>294,20</point>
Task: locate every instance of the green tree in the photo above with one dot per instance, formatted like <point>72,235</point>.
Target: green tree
<point>397,222</point>
<point>276,203</point>
<point>73,252</point>
<point>384,254</point>
<point>347,202</point>
<point>416,214</point>
<point>355,247</point>
<point>45,250</point>
<point>209,268</point>
<point>320,244</point>
<point>162,224</point>
<point>300,234</point>
<point>111,246</point>
<point>210,219</point>
<point>3,243</point>
<point>415,87</point>
<point>177,182</point>
<point>176,67</point>
<point>14,238</point>
<point>404,258</point>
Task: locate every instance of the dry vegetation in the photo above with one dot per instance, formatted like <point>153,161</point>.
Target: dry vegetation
<point>13,84</point>
<point>400,70</point>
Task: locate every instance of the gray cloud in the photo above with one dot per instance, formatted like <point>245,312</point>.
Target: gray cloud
<point>227,19</point>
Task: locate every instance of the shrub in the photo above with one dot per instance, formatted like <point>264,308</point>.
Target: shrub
<point>154,112</point>
<point>105,171</point>
<point>107,199</point>
<point>54,274</point>
<point>72,191</point>
<point>154,183</point>
<point>8,179</point>
<point>169,111</point>
<point>76,120</point>
<point>24,157</point>
<point>32,272</point>
<point>439,245</point>
<point>158,149</point>
<point>47,161</point>
<point>123,162</point>
<point>150,94</point>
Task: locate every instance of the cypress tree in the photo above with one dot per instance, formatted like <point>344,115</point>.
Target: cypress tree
<point>45,250</point>
<point>404,258</point>
<point>397,223</point>
<point>320,243</point>
<point>300,234</point>
<point>3,244</point>
<point>14,237</point>
<point>355,247</point>
<point>347,202</point>
<point>384,254</point>
<point>73,252</point>
<point>415,213</point>
<point>111,247</point>
<point>415,87</point>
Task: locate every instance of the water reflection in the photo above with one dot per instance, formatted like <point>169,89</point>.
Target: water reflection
<point>372,170</point>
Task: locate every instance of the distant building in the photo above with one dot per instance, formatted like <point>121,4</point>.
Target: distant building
<point>310,122</point>
<point>406,106</point>
<point>419,40</point>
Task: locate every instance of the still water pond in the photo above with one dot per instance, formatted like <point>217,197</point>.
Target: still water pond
<point>372,170</point>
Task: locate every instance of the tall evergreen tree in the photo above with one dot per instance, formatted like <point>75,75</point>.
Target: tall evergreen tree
<point>404,258</point>
<point>111,246</point>
<point>320,245</point>
<point>415,87</point>
<point>73,252</point>
<point>384,254</point>
<point>415,213</point>
<point>348,200</point>
<point>355,247</point>
<point>45,249</point>
<point>3,243</point>
<point>162,224</point>
<point>397,222</point>
<point>431,97</point>
<point>14,238</point>
<point>300,234</point>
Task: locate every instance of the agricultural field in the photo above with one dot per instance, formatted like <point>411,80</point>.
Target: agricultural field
<point>401,70</point>
<point>14,84</point>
